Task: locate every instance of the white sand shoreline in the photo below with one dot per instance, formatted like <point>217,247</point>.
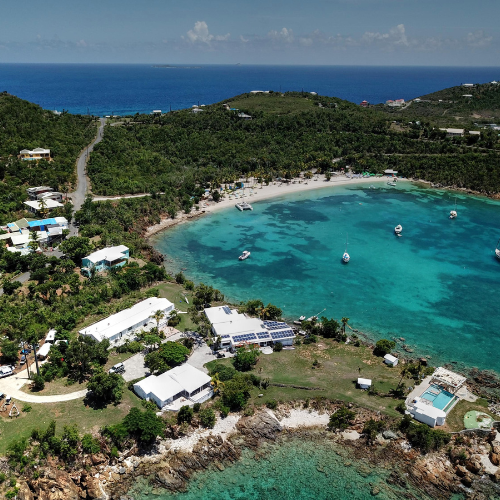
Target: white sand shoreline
<point>274,190</point>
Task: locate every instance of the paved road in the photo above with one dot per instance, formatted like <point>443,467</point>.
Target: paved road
<point>11,386</point>
<point>22,278</point>
<point>78,196</point>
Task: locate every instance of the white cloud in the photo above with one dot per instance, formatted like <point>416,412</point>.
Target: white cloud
<point>285,35</point>
<point>200,34</point>
<point>478,39</point>
<point>395,36</point>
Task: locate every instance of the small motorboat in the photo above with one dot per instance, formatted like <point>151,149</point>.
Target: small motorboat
<point>391,183</point>
<point>302,318</point>
<point>244,255</point>
<point>453,214</point>
<point>398,229</point>
<point>497,250</point>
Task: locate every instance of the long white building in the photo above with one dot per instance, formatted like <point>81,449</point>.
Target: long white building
<point>237,330</point>
<point>182,385</point>
<point>127,321</point>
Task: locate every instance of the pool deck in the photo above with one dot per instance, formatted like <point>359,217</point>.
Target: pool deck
<point>425,385</point>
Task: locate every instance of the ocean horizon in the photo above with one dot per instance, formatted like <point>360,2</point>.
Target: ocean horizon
<point>125,89</point>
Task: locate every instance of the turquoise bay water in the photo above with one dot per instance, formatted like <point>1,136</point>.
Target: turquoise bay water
<point>436,286</point>
<point>296,470</point>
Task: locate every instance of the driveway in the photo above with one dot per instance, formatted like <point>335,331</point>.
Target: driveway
<point>11,386</point>
<point>134,368</point>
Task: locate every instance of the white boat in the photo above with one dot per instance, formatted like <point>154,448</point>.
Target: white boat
<point>398,229</point>
<point>302,318</point>
<point>243,206</point>
<point>497,250</point>
<point>346,257</point>
<point>391,183</point>
<point>453,213</point>
<point>244,255</point>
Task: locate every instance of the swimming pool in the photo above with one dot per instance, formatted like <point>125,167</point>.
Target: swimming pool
<point>438,397</point>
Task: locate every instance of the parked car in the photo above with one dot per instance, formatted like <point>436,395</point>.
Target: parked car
<point>23,359</point>
<point>6,370</point>
<point>118,368</point>
<point>26,351</point>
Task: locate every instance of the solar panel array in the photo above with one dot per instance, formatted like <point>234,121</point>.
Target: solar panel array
<point>263,335</point>
<point>274,325</point>
<point>245,337</point>
<point>282,335</point>
<point>224,336</point>
<point>226,309</point>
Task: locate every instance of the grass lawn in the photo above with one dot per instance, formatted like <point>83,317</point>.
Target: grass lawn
<point>176,293</point>
<point>274,104</point>
<point>65,413</point>
<point>455,419</point>
<point>335,378</point>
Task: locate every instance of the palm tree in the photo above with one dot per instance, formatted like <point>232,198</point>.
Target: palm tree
<point>216,383</point>
<point>344,323</point>
<point>158,316</point>
<point>43,208</point>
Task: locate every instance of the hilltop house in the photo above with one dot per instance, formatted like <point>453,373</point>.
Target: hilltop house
<point>453,132</point>
<point>105,259</point>
<point>35,154</point>
<point>44,204</point>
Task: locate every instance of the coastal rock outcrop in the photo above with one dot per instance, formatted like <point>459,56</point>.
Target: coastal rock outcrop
<point>55,485</point>
<point>24,492</point>
<point>262,425</point>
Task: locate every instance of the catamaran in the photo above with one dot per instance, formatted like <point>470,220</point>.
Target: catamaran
<point>346,257</point>
<point>398,229</point>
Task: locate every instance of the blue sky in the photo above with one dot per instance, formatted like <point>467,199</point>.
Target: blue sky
<point>359,32</point>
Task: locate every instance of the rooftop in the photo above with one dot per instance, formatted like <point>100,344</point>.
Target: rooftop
<point>122,320</point>
<point>48,204</point>
<point>108,253</point>
<point>448,377</point>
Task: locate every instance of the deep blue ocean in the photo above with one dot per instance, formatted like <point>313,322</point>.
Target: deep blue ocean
<point>103,89</point>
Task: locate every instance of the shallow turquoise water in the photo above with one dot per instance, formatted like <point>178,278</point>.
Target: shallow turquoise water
<point>293,471</point>
<point>436,286</point>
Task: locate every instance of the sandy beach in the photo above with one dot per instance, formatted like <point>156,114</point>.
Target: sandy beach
<point>258,193</point>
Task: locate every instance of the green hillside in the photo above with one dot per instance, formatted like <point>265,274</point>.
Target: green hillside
<point>24,125</point>
<point>452,107</point>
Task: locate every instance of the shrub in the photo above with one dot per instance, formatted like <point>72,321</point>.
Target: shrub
<point>149,405</point>
<point>272,405</point>
<point>245,358</point>
<point>38,383</point>
<point>224,411</point>
<point>225,372</point>
<point>277,347</point>
<point>422,436</point>
<point>196,407</point>
<point>145,426</point>
<point>26,408</point>
<point>341,419</point>
<point>401,407</point>
<point>207,418</point>
<point>310,339</point>
<point>383,347</point>
<point>90,444</point>
<point>372,428</point>
<point>3,477</point>
<point>185,414</point>
<point>236,392</point>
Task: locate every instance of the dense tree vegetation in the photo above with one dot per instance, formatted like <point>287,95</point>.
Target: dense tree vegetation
<point>24,125</point>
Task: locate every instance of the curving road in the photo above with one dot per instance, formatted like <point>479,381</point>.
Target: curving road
<point>78,196</point>
<point>11,386</point>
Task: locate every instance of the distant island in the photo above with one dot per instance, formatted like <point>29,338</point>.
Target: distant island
<point>170,66</point>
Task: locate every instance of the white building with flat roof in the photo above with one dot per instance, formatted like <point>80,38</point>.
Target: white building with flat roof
<point>453,132</point>
<point>35,206</point>
<point>427,414</point>
<point>238,330</point>
<point>182,385</point>
<point>129,320</point>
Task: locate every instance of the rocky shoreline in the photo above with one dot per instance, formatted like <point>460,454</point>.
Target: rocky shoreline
<point>469,466</point>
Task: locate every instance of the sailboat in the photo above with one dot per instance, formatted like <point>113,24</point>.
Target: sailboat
<point>453,213</point>
<point>346,257</point>
<point>497,250</point>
